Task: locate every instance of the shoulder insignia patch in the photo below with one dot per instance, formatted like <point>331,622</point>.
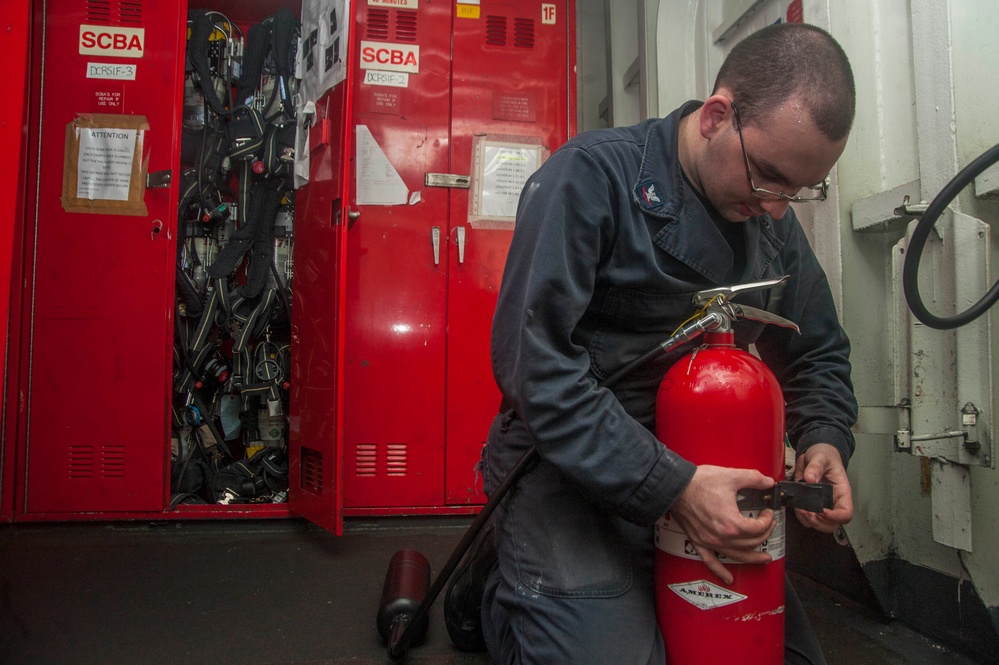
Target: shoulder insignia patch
<point>648,196</point>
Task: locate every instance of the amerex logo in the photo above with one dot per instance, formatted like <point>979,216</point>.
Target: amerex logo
<point>390,57</point>
<point>706,595</point>
<point>112,41</point>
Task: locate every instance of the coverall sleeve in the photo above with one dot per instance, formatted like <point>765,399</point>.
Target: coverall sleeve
<point>566,227</point>
<point>813,367</point>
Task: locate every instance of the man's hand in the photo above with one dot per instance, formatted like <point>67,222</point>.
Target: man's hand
<point>823,463</point>
<point>707,513</point>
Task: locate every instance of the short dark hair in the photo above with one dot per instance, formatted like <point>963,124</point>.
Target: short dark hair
<point>788,59</point>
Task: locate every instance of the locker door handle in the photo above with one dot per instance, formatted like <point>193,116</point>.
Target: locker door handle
<point>461,244</point>
<point>435,239</point>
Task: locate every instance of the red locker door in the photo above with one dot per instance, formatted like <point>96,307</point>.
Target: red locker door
<point>101,287</point>
<point>316,398</point>
<point>397,258</point>
<point>510,105</point>
<point>14,50</point>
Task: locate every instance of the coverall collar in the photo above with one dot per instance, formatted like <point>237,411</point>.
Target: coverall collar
<point>689,234</point>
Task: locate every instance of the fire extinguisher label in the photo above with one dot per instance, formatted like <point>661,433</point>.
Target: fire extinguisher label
<point>671,539</point>
<point>706,595</point>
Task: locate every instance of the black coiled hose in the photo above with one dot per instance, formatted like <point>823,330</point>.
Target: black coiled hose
<point>910,269</point>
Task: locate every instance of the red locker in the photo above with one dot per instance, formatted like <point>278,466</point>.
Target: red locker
<point>400,236</point>
<point>96,325</point>
<point>484,80</point>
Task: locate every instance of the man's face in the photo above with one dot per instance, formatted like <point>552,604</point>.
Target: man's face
<point>787,153</point>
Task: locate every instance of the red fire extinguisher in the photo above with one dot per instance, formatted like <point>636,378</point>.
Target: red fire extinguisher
<point>704,424</point>
<point>721,405</point>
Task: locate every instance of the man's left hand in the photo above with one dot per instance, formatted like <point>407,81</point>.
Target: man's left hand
<point>822,463</point>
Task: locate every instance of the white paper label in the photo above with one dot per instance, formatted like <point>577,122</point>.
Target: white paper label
<point>104,169</point>
<point>378,183</point>
<point>671,539</point>
<point>505,171</point>
<point>111,71</point>
<point>397,4</point>
<point>391,79</point>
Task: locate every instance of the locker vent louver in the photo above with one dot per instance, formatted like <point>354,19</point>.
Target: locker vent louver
<point>378,25</point>
<point>113,461</point>
<point>114,13</point>
<point>367,460</point>
<point>397,458</point>
<point>496,30</point>
<point>523,33</point>
<point>131,12</point>
<point>83,461</point>
<point>312,471</point>
<point>405,26</point>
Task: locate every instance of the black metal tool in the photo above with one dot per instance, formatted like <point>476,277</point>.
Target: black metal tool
<point>813,497</point>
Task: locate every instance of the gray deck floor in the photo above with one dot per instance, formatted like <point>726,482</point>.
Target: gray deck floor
<point>277,592</point>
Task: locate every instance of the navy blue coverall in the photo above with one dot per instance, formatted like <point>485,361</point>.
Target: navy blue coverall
<point>610,244</point>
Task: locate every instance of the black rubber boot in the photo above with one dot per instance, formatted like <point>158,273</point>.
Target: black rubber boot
<point>463,600</point>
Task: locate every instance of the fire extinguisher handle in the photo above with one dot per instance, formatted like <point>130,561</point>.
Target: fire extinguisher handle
<point>763,316</point>
<point>702,298</point>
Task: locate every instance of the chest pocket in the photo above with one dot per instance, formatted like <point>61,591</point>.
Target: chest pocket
<point>630,323</point>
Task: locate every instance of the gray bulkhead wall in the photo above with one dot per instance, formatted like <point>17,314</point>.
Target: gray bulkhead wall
<point>922,521</point>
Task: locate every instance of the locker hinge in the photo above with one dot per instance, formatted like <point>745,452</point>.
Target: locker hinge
<point>446,180</point>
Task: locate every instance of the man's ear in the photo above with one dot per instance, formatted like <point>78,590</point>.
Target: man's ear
<point>716,115</point>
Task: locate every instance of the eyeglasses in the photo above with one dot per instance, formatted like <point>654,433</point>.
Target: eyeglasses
<point>821,190</point>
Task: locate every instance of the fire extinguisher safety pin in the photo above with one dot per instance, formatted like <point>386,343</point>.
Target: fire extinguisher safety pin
<point>813,497</point>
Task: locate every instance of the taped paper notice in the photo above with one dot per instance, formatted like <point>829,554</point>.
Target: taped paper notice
<point>378,183</point>
<point>103,168</point>
<point>500,169</point>
<point>504,173</point>
<point>321,64</point>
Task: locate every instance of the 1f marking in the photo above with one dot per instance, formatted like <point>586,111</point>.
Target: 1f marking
<point>547,13</point>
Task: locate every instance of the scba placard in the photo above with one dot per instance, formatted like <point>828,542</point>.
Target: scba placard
<point>390,57</point>
<point>114,41</point>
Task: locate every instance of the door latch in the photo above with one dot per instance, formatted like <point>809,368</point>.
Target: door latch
<point>159,179</point>
<point>446,180</point>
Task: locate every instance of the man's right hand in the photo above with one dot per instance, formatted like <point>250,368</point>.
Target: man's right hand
<point>707,512</point>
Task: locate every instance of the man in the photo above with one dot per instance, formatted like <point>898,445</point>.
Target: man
<point>614,234</point>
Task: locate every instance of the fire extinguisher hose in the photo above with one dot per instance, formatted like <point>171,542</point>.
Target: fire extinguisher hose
<point>397,647</point>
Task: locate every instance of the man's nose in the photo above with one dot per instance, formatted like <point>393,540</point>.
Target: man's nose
<point>775,208</point>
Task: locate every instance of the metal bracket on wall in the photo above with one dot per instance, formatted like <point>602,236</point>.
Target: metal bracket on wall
<point>908,209</point>
<point>947,460</point>
<point>969,446</point>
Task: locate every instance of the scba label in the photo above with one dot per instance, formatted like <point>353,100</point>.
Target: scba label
<point>390,57</point>
<point>104,40</point>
